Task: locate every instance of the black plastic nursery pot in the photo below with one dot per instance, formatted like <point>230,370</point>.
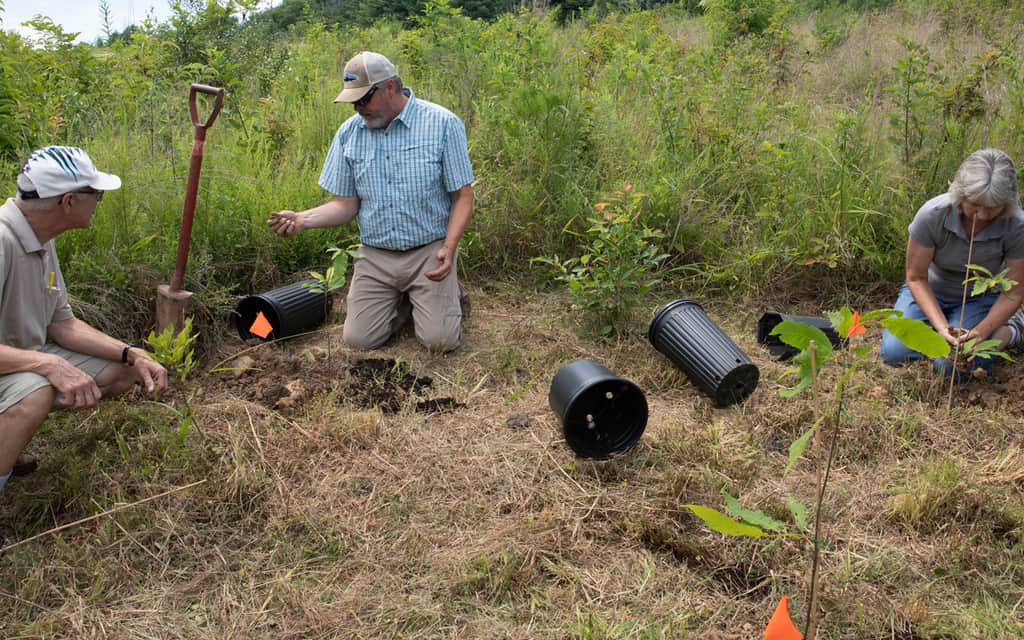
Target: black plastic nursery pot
<point>779,349</point>
<point>601,413</point>
<point>682,331</point>
<point>290,310</point>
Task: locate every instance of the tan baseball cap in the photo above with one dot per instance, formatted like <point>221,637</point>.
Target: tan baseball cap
<point>362,72</point>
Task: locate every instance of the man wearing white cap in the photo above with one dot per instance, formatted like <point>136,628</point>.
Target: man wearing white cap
<point>48,357</point>
<point>400,166</point>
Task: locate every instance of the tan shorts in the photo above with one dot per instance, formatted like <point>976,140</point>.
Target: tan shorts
<point>15,387</point>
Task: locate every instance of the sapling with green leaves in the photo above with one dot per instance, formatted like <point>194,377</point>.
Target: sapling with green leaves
<point>175,350</point>
<point>621,265</point>
<point>332,279</point>
<point>982,281</point>
<point>815,351</point>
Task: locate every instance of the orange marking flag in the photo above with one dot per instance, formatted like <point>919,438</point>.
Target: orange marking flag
<point>260,326</point>
<point>856,328</point>
<point>780,627</point>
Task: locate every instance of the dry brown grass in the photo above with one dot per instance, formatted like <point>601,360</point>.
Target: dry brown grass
<point>327,520</point>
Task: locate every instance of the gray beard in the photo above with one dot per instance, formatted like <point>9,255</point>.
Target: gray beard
<point>374,123</point>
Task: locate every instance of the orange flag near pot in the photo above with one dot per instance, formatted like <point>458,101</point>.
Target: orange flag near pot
<point>261,326</point>
<point>780,627</point>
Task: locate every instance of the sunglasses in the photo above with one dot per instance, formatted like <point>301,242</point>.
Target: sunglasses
<point>362,102</point>
<point>92,192</point>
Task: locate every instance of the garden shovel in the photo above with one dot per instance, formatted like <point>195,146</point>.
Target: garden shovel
<point>170,298</point>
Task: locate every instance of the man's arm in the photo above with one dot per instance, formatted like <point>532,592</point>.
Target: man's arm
<point>335,212</point>
<point>76,388</point>
<point>458,220</point>
<point>76,335</point>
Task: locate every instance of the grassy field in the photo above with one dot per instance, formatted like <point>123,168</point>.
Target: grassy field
<point>303,490</point>
<point>347,507</point>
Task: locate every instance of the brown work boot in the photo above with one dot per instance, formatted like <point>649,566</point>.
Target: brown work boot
<point>25,464</point>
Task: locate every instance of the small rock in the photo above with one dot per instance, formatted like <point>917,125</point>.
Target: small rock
<point>518,420</point>
<point>312,354</point>
<point>296,392</point>
<point>241,366</point>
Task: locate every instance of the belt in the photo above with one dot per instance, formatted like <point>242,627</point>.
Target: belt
<point>403,250</point>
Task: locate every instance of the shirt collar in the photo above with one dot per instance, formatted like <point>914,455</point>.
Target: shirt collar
<point>995,229</point>
<point>408,112</point>
<point>12,216</point>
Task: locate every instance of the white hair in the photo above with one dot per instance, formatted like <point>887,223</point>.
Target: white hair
<point>38,205</point>
<point>987,178</point>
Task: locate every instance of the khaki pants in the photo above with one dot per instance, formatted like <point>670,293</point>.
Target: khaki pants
<point>380,278</point>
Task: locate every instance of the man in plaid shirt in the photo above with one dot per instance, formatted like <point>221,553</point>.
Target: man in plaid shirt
<point>400,167</point>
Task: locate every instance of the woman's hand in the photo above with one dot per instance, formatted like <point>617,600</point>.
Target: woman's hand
<point>956,336</point>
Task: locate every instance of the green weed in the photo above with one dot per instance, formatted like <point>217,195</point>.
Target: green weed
<point>620,267</point>
<point>175,350</point>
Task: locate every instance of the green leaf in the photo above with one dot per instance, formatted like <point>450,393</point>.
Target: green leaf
<point>799,512</point>
<point>797,448</point>
<point>790,393</point>
<point>800,336</point>
<point>879,313</point>
<point>918,336</point>
<point>841,320</point>
<point>757,518</point>
<point>977,267</point>
<point>723,524</point>
<point>142,242</point>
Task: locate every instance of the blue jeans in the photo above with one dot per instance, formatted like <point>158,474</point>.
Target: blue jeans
<point>895,353</point>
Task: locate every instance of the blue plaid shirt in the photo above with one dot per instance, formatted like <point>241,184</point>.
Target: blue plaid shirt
<point>402,174</point>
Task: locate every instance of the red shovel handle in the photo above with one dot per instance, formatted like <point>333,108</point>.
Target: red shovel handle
<point>218,103</point>
<point>185,238</point>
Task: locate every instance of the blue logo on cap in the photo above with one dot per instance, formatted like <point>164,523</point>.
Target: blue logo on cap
<point>349,77</point>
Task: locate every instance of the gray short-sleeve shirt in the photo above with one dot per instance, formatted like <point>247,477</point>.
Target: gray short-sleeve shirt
<point>32,293</point>
<point>937,225</point>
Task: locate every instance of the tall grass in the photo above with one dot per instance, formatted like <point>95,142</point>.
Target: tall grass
<point>770,158</point>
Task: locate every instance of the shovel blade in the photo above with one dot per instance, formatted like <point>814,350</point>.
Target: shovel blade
<point>170,307</point>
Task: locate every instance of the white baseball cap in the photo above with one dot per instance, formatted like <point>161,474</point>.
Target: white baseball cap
<point>362,72</point>
<point>51,171</point>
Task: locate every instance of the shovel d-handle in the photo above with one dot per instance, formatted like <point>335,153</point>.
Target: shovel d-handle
<point>189,210</point>
<point>217,104</point>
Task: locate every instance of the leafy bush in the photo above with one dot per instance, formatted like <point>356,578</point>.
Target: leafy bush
<point>732,19</point>
<point>620,267</point>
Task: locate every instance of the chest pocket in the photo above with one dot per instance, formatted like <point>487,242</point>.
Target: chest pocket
<point>360,160</point>
<point>420,163</point>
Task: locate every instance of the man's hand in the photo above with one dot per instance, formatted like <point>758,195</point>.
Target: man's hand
<point>152,374</point>
<point>285,223</point>
<point>444,265</point>
<point>75,388</point>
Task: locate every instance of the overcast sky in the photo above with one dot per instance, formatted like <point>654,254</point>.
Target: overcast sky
<point>83,16</point>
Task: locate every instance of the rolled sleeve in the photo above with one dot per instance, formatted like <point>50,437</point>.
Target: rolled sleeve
<point>456,169</point>
<point>337,176</point>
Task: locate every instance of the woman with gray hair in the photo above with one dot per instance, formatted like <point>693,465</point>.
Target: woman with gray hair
<point>982,204</point>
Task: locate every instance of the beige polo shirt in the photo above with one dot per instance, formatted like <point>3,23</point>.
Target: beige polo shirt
<point>32,293</point>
